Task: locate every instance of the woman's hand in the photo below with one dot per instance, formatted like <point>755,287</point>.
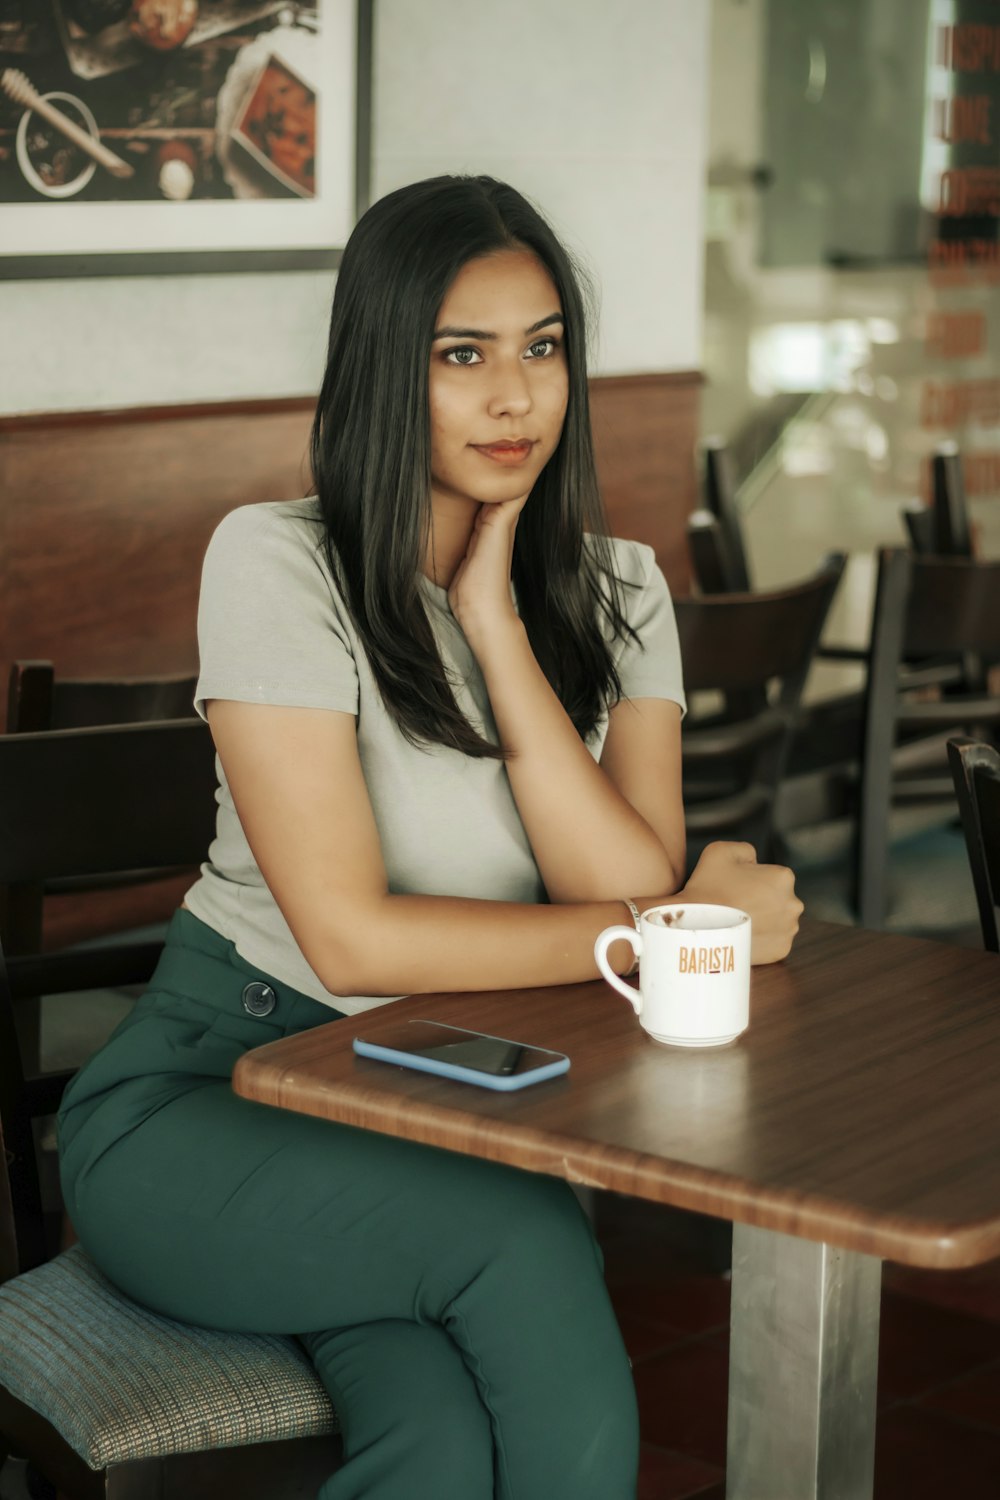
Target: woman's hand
<point>729,875</point>
<point>479,594</point>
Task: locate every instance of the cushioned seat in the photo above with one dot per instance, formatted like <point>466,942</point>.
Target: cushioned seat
<point>120,1383</point>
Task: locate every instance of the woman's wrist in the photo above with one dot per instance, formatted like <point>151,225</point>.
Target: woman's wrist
<point>492,641</point>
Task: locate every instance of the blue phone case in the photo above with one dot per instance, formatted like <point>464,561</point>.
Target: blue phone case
<point>560,1064</point>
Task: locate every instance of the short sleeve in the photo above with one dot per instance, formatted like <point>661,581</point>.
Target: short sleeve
<point>271,626</point>
<point>651,666</point>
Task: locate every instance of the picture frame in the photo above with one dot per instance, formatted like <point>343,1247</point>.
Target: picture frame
<point>218,117</point>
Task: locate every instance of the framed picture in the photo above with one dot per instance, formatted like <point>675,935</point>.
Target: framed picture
<point>163,136</point>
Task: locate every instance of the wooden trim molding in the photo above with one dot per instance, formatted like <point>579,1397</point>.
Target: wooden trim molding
<point>28,421</point>
<point>46,420</point>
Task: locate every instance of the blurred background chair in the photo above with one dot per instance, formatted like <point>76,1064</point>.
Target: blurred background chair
<point>746,657</point>
<point>717,546</point>
<point>942,529</point>
<point>717,542</point>
<point>103,1397</point>
<point>975,769</point>
<point>927,610</point>
<point>715,533</point>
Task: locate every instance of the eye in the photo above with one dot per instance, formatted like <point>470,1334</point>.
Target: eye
<point>543,348</point>
<point>463,354</point>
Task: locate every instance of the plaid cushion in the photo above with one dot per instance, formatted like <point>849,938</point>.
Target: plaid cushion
<point>122,1383</point>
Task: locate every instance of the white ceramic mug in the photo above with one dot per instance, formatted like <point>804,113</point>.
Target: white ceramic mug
<point>694,972</point>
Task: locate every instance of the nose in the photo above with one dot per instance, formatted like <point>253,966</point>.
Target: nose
<point>511,392</point>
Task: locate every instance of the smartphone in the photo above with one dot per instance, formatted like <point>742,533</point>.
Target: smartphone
<point>493,1062</point>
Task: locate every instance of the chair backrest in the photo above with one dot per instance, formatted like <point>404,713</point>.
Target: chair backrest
<point>942,529</point>
<point>952,532</point>
<point>715,569</point>
<point>37,699</point>
<point>755,650</point>
<point>919,521</point>
<point>929,612</point>
<point>742,641</point>
<point>720,501</point>
<point>77,802</point>
<point>975,769</point>
<point>937,606</point>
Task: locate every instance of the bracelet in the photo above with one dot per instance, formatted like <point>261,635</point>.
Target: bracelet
<point>634,910</point>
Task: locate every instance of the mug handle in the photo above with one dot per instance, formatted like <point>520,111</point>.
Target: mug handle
<point>607,937</point>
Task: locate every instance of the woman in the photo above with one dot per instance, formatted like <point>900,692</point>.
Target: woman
<point>447,713</point>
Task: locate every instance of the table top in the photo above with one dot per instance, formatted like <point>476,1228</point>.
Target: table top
<point>861,1108</point>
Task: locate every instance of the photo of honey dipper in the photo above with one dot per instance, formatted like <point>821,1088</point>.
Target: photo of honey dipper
<point>17,87</point>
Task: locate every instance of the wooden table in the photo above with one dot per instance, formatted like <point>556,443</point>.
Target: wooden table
<point>855,1121</point>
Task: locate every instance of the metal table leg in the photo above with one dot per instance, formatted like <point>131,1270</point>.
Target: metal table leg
<point>802,1367</point>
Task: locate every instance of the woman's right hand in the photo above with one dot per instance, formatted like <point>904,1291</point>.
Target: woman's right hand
<point>727,874</point>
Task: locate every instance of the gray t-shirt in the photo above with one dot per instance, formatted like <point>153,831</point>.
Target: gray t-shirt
<point>273,628</point>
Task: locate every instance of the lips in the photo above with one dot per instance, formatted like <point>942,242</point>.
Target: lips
<point>508,451</point>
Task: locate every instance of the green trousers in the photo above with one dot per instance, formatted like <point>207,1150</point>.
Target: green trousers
<point>455,1309</point>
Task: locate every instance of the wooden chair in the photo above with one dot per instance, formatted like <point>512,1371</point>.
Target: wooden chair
<point>81,909</point>
<point>753,651</point>
<point>926,609</point>
<point>942,528</point>
<point>713,565</point>
<point>101,1396</point>
<point>37,700</point>
<point>716,544</point>
<point>975,770</point>
<point>720,503</point>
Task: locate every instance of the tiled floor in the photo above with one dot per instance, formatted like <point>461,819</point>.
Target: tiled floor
<point>938,1432</point>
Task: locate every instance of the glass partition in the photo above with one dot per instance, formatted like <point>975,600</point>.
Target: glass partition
<point>852,266</point>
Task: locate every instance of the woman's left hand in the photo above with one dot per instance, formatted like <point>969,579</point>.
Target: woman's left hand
<point>479,594</point>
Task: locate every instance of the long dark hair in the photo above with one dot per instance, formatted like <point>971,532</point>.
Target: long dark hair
<point>372,468</point>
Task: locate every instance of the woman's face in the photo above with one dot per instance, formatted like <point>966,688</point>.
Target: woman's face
<point>498,379</point>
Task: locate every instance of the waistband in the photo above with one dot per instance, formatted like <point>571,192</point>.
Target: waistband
<point>200,964</point>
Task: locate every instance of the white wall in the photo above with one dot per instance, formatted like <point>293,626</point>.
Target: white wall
<point>596,111</point>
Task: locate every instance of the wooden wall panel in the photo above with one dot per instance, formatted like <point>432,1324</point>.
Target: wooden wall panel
<point>645,440</point>
<point>104,517</point>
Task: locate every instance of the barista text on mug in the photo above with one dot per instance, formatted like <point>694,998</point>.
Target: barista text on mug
<point>707,960</point>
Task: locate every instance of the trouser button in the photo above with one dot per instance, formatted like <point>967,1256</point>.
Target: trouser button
<point>259,999</point>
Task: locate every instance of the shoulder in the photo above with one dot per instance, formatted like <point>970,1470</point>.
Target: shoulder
<point>277,523</point>
<point>270,541</point>
<point>630,572</point>
<point>634,563</point>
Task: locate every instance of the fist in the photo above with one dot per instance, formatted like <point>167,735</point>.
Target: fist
<point>728,874</point>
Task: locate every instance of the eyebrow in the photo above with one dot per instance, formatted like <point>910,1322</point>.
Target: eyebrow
<point>481,333</point>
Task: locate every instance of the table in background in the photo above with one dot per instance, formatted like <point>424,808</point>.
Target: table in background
<point>855,1121</point>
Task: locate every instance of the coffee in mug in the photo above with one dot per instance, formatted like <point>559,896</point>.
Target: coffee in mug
<point>694,972</point>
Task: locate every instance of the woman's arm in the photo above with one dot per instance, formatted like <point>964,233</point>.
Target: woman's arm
<point>300,794</point>
<point>596,831</point>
